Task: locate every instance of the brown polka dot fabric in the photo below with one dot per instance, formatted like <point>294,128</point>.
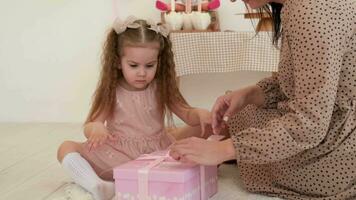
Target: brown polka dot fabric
<point>302,143</point>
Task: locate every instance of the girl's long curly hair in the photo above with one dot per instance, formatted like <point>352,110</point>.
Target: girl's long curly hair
<point>168,94</point>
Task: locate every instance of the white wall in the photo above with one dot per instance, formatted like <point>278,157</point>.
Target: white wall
<point>50,56</point>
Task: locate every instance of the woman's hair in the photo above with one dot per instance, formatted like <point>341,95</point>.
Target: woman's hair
<point>274,10</point>
<point>104,98</point>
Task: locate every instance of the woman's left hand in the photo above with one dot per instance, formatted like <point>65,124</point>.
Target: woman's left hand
<point>201,151</point>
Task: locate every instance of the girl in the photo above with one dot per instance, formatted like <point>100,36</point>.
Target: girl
<point>136,90</point>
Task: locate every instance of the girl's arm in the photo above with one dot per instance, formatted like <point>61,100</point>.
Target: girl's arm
<point>96,132</point>
<point>96,125</point>
<point>191,116</point>
<point>194,117</point>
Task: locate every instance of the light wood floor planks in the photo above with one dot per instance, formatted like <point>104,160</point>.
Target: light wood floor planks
<point>28,165</point>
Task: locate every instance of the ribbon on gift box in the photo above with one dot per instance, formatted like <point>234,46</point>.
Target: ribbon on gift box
<point>143,175</point>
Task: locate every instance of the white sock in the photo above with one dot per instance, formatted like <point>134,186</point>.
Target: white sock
<point>84,175</point>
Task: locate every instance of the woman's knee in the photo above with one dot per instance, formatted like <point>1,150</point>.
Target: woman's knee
<point>65,148</point>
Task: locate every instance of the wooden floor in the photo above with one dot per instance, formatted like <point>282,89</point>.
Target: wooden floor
<point>28,164</point>
<point>29,169</point>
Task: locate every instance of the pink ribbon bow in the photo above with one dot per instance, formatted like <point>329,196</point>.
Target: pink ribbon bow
<point>143,174</point>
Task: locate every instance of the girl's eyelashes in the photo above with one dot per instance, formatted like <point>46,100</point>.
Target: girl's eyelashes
<point>134,65</point>
<point>151,64</point>
<point>148,66</point>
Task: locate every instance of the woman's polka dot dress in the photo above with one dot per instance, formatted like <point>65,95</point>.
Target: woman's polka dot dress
<point>302,143</point>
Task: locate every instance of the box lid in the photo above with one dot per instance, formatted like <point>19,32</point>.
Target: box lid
<point>167,171</point>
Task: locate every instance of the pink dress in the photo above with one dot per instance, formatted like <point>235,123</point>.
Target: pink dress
<point>139,126</point>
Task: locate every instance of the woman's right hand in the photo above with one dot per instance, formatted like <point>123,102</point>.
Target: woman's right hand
<point>97,135</point>
<point>229,104</point>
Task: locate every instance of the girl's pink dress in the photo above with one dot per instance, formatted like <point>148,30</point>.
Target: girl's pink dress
<point>139,126</point>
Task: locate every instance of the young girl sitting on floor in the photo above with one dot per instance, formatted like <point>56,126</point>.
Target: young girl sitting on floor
<point>136,90</point>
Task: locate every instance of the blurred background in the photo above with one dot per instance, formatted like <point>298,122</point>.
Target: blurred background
<point>50,56</point>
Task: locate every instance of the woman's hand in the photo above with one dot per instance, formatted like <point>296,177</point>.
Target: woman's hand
<point>225,107</point>
<point>97,135</point>
<point>229,104</point>
<point>201,151</point>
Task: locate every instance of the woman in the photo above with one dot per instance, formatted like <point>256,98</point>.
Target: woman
<point>294,134</point>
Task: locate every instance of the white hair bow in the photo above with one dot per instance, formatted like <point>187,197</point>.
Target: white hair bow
<point>121,26</point>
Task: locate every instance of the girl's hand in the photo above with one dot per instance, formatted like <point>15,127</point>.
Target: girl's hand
<point>201,151</point>
<point>98,135</point>
<point>99,138</point>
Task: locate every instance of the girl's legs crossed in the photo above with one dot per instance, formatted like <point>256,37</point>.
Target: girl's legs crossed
<point>69,154</point>
<point>67,147</point>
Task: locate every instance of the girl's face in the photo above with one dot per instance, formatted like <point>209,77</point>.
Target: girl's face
<point>254,4</point>
<point>139,66</point>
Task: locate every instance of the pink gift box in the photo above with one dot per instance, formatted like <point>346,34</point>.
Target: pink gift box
<point>168,180</point>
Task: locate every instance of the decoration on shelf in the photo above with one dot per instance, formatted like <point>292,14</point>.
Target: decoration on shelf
<point>180,5</point>
<point>190,15</point>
